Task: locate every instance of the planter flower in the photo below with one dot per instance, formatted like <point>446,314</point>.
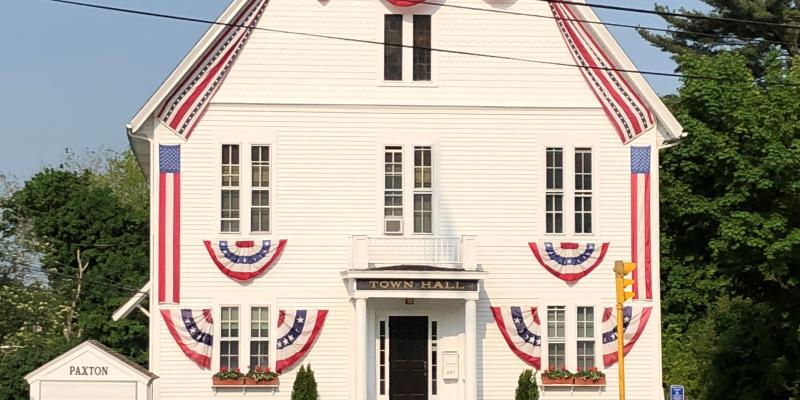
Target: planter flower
<point>261,376</point>
<point>226,377</point>
<point>553,376</point>
<point>591,376</point>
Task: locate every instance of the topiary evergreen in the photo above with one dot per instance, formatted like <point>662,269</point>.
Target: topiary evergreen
<point>527,389</point>
<point>305,385</point>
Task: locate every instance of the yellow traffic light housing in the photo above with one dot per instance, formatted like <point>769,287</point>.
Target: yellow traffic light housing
<point>621,270</point>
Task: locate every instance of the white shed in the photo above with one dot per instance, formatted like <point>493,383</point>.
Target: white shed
<point>91,371</point>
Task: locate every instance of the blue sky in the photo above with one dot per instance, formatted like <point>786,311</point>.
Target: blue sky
<point>73,77</point>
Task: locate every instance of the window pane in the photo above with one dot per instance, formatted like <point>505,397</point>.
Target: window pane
<point>393,182</point>
<point>392,50</point>
<point>422,45</point>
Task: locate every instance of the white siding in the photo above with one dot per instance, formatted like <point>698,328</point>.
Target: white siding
<point>327,186</point>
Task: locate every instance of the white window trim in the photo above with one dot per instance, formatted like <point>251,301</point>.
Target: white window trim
<point>244,336</point>
<point>569,189</point>
<point>408,52</point>
<point>249,200</point>
<point>246,187</point>
<point>596,328</point>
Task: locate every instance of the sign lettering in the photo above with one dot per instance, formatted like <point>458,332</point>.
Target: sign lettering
<point>417,284</point>
<point>87,370</point>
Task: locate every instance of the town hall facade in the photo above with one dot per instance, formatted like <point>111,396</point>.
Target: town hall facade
<point>419,200</point>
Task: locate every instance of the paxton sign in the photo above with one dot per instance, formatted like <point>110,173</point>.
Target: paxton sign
<point>88,370</point>
<point>417,284</point>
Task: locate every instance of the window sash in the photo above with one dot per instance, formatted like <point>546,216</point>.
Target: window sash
<point>392,47</point>
<point>230,196</point>
<point>554,190</point>
<point>422,48</point>
<point>259,336</point>
<point>556,355</point>
<point>583,190</point>
<point>585,354</point>
<point>393,181</point>
<point>423,189</point>
<point>229,338</point>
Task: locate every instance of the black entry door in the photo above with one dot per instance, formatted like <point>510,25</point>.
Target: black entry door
<point>408,358</point>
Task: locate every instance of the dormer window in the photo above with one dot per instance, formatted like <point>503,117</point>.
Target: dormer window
<point>396,67</point>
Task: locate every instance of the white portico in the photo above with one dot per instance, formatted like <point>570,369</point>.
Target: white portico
<point>415,320</point>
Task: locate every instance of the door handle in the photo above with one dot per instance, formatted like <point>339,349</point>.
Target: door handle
<point>425,367</point>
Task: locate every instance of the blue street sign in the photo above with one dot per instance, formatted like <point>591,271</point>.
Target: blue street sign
<point>677,392</point>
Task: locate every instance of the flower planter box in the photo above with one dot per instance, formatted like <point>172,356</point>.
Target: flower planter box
<point>253,382</point>
<point>588,382</point>
<point>556,381</point>
<point>227,382</point>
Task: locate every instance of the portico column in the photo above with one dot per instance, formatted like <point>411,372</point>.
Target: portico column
<point>361,349</point>
<point>471,359</point>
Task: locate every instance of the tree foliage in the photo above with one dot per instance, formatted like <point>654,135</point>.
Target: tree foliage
<point>730,211</point>
<point>527,388</point>
<point>305,385</point>
<point>709,36</point>
<point>58,218</point>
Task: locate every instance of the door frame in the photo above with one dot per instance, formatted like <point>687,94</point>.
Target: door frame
<point>383,315</point>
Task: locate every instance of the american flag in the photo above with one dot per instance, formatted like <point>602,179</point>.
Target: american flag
<point>626,111</point>
<point>297,332</point>
<point>634,320</point>
<point>641,249</point>
<point>522,331</point>
<point>189,100</point>
<point>169,223</point>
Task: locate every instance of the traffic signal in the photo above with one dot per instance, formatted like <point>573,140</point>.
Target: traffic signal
<point>621,270</point>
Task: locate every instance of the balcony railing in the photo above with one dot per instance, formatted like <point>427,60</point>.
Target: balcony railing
<point>444,252</point>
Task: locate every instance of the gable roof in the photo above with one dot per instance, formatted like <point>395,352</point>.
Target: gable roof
<point>95,346</point>
<point>670,130</point>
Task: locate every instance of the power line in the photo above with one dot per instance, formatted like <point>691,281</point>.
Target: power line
<point>373,42</point>
<point>102,282</point>
<point>674,14</point>
<point>613,24</point>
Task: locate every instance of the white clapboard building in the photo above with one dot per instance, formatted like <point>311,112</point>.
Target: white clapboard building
<point>420,200</point>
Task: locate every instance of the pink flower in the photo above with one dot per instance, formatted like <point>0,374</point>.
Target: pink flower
<point>237,370</point>
<point>223,369</point>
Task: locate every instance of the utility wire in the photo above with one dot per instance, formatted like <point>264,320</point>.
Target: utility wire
<point>374,42</point>
<point>674,14</point>
<point>616,25</point>
<point>102,282</point>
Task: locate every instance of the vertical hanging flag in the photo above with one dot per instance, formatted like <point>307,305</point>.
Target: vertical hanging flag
<point>185,105</point>
<point>641,249</point>
<point>169,223</point>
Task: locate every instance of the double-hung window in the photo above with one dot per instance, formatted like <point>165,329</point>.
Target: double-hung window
<point>231,171</point>
<point>259,336</point>
<point>236,195</point>
<point>393,182</point>
<point>423,190</point>
<point>585,350</point>
<point>394,47</point>
<point>583,190</point>
<point>229,338</point>
<point>259,205</point>
<point>554,195</point>
<point>556,337</point>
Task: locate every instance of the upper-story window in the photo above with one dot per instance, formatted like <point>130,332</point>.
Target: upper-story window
<point>554,197</point>
<point>259,205</point>
<point>583,190</point>
<point>230,188</point>
<point>423,190</point>
<point>394,62</point>
<point>560,193</point>
<point>420,189</point>
<point>235,177</point>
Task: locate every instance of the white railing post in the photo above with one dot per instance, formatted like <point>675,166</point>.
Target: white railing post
<point>469,252</point>
<point>360,250</point>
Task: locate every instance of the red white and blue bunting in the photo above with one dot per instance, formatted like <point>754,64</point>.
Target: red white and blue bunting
<point>243,260</point>
<point>522,331</point>
<point>185,105</point>
<point>297,332</point>
<point>193,332</point>
<point>569,261</point>
<point>626,111</point>
<point>634,321</point>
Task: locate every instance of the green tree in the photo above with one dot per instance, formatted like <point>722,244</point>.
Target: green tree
<point>730,213</point>
<point>709,36</point>
<point>527,388</point>
<point>305,385</point>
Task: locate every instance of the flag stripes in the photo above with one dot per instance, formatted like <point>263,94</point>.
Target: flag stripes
<point>169,223</point>
<point>641,246</point>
